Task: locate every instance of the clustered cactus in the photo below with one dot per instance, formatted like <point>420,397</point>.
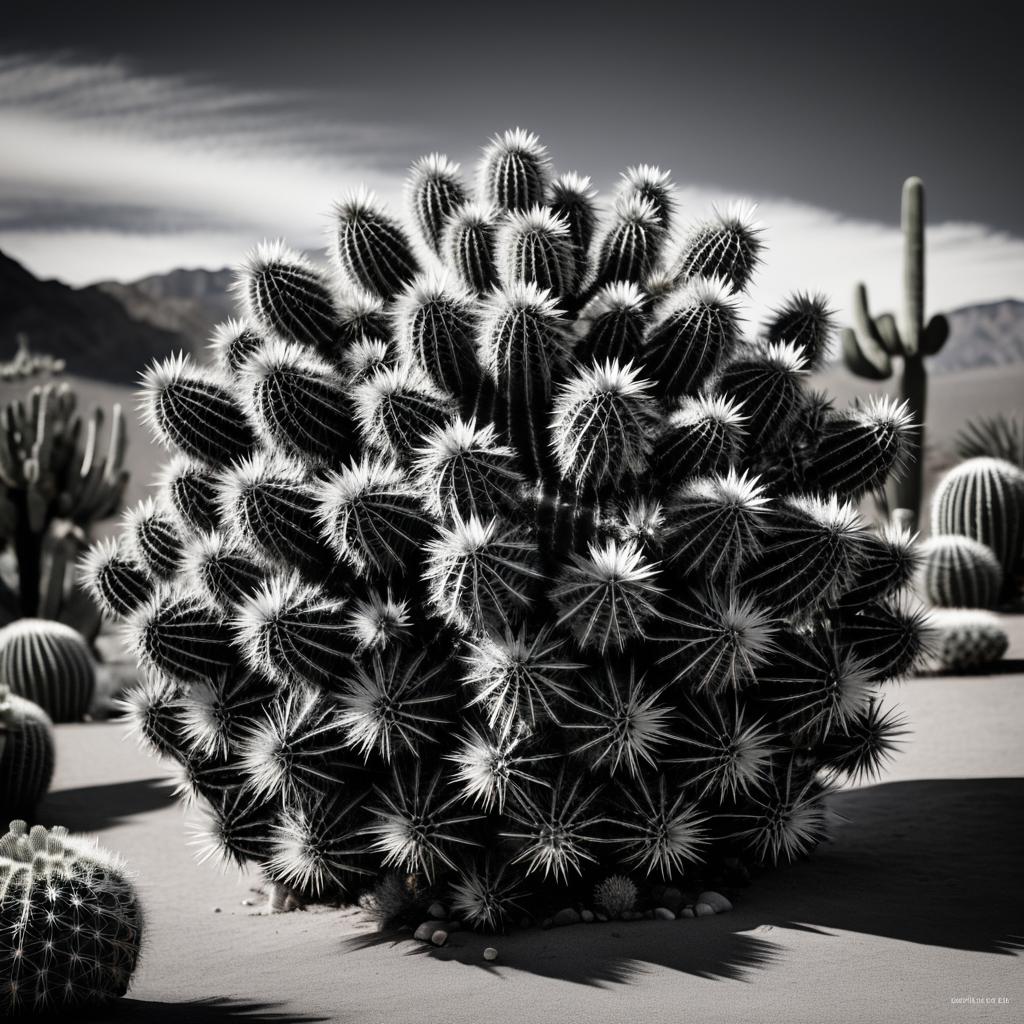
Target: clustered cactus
<point>57,479</point>
<point>70,922</point>
<point>515,559</point>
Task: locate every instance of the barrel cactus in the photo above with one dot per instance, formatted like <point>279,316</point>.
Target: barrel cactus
<point>957,572</point>
<point>512,562</point>
<point>26,754</point>
<point>70,922</point>
<point>966,639</point>
<point>983,498</point>
<point>50,664</point>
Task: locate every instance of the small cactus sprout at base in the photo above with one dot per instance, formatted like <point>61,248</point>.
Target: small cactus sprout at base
<point>966,640</point>
<point>70,923</point>
<point>957,572</point>
<point>26,754</point>
<point>511,556</point>
<point>50,664</point>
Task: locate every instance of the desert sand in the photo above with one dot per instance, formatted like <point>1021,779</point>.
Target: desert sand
<point>918,896</point>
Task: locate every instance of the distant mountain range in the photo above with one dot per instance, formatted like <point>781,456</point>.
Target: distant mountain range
<point>110,331</point>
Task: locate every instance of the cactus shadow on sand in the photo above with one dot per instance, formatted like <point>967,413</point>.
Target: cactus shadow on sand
<point>198,1011</point>
<point>933,862</point>
<point>95,808</point>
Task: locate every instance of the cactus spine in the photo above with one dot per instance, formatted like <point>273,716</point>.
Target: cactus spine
<point>868,348</point>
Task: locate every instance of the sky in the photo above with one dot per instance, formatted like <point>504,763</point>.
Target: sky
<point>140,137</point>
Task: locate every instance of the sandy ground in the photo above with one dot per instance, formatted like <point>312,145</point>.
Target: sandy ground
<point>917,902</point>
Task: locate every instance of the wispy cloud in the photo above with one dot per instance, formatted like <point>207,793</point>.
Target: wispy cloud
<point>108,173</point>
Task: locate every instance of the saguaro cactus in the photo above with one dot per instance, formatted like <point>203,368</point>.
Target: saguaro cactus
<point>545,573</point>
<point>870,346</point>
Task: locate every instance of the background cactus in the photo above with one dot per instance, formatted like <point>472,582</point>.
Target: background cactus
<point>506,596</point>
<point>26,754</point>
<point>56,482</point>
<point>966,640</point>
<point>995,437</point>
<point>983,498</point>
<point>70,922</point>
<point>869,347</point>
<point>50,664</point>
<point>957,572</point>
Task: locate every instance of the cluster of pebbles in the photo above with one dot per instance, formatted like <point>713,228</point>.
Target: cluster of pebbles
<point>671,905</point>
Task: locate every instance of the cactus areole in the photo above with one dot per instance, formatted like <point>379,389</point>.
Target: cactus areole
<point>506,555</point>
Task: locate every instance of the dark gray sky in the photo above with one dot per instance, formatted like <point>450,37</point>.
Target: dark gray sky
<point>139,136</point>
<point>829,102</point>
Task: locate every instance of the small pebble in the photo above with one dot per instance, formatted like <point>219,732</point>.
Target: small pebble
<point>437,912</point>
<point>546,923</point>
<point>716,901</point>
<point>663,914</point>
<point>587,916</point>
<point>564,917</point>
<point>425,930</point>
<point>216,910</point>
<point>704,910</point>
<point>248,903</point>
<point>490,953</point>
<point>603,918</point>
<point>687,912</point>
<point>439,938</point>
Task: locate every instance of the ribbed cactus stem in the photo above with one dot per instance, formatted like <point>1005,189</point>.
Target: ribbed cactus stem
<point>912,321</point>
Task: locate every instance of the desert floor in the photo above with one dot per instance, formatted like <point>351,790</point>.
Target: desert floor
<point>915,908</point>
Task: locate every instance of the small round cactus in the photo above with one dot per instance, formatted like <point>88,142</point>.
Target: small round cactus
<point>70,922</point>
<point>957,572</point>
<point>966,639</point>
<point>50,664</point>
<point>616,895</point>
<point>27,753</point>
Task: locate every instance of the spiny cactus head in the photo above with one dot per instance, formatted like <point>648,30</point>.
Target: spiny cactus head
<point>718,523</point>
<point>632,243</point>
<point>601,424</point>
<point>371,249</point>
<point>481,573</point>
<point>612,324</point>
<point>642,521</point>
<point>608,597</point>
<point>225,572</point>
<point>154,538</point>
<point>194,410</point>
<point>702,435</point>
<point>297,401</point>
<point>435,321</point>
<point>616,895</point>
<point>862,748</point>
<point>572,198</point>
<point>434,190</point>
<point>519,678</point>
<point>218,711</point>
<point>371,515</point>
<point>858,450</point>
<point>484,898</point>
<point>236,829</point>
<point>888,562</point>
<point>535,246</point>
<point>692,332</point>
<point>515,171</point>
<point>116,582</point>
<point>190,489</point>
<point>470,245</point>
<point>654,185</point>
<point>361,315</point>
<point>787,820</point>
<point>379,622</point>
<point>462,466</point>
<point>290,631</point>
<point>234,341</point>
<point>728,246</point>
<point>891,638</point>
<point>965,640</point>
<point>767,381</point>
<point>395,408</point>
<point>364,359</point>
<point>807,321</point>
<point>152,710</point>
<point>286,295</point>
<point>489,768</point>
